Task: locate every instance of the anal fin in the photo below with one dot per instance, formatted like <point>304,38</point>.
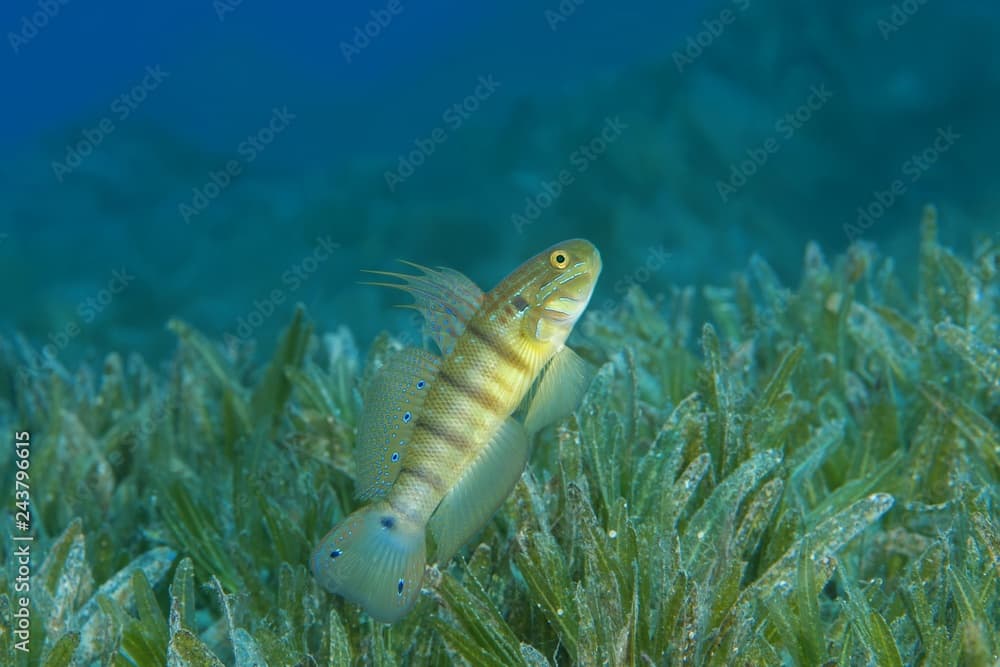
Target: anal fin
<point>480,491</point>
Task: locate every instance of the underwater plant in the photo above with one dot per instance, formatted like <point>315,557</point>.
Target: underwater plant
<point>813,477</point>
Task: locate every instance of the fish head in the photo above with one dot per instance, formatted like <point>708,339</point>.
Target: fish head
<point>561,283</point>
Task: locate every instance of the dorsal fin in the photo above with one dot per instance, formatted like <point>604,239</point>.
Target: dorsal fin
<point>393,400</point>
<point>446,299</point>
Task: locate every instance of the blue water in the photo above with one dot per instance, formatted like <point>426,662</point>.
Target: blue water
<point>193,159</point>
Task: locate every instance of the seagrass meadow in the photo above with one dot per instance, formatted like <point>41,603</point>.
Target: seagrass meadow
<point>810,476</point>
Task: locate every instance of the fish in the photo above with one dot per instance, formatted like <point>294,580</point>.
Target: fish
<point>438,447</point>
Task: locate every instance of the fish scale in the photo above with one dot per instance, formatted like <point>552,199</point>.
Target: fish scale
<point>438,450</point>
<point>473,366</point>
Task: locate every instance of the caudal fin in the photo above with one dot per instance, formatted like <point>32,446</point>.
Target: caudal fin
<point>374,558</point>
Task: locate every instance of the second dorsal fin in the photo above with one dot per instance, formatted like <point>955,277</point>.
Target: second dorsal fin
<point>393,400</point>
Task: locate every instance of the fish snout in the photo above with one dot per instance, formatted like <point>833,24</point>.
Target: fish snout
<point>569,301</point>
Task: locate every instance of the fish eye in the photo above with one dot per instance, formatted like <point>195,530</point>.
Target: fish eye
<point>559,259</point>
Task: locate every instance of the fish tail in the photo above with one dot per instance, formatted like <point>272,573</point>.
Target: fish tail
<point>375,558</point>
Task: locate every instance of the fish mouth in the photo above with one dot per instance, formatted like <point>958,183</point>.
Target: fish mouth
<point>563,309</point>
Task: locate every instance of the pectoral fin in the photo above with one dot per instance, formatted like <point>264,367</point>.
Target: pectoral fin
<point>564,381</point>
<point>480,491</point>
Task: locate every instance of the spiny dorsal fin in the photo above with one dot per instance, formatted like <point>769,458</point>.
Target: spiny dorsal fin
<point>393,400</point>
<point>445,298</point>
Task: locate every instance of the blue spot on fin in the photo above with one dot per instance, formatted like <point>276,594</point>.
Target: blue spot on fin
<point>383,433</point>
<point>379,569</point>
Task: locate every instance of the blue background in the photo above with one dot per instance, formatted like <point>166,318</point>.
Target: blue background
<point>699,86</point>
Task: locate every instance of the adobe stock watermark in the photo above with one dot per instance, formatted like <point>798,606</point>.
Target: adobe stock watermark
<point>87,310</point>
<point>562,12</point>
<point>912,171</point>
<point>121,108</point>
<point>141,431</point>
<point>364,35</point>
<point>454,117</point>
<point>899,15</point>
<point>784,129</point>
<point>292,279</point>
<point>656,259</point>
<point>147,426</point>
<point>218,180</point>
<point>225,7</point>
<point>579,160</point>
<point>147,420</point>
<point>34,23</point>
<point>711,29</point>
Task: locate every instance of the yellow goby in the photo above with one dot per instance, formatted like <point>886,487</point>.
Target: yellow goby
<point>438,450</point>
